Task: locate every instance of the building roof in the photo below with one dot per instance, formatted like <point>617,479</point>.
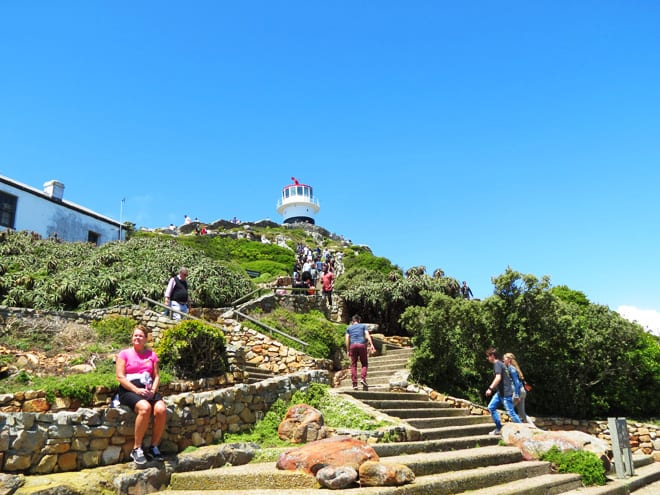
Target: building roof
<point>67,204</point>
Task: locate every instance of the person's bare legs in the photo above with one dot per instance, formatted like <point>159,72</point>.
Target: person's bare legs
<point>160,417</point>
<point>143,411</point>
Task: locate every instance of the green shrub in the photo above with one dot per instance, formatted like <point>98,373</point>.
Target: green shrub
<point>586,464</point>
<point>115,330</point>
<point>193,350</point>
<point>325,339</point>
<point>337,413</point>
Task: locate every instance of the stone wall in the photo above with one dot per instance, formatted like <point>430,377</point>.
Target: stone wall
<point>71,440</point>
<point>244,345</point>
<point>644,438</point>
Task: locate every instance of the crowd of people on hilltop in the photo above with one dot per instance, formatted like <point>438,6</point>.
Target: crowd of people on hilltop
<point>316,269</point>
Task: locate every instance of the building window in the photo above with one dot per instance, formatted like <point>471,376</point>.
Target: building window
<point>7,210</point>
<point>93,237</point>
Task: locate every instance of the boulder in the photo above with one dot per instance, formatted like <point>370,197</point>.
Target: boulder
<point>9,483</point>
<point>385,474</point>
<point>302,424</point>
<point>336,477</point>
<point>333,451</point>
<point>534,442</point>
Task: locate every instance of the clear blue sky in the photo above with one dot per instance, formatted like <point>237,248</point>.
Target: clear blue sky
<point>467,136</point>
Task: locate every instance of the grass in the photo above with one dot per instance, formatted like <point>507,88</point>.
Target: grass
<point>337,413</point>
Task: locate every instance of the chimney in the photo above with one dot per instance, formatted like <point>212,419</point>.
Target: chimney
<point>54,189</point>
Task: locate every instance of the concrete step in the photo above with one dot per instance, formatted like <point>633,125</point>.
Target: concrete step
<point>386,395</point>
<point>459,431</point>
<point>377,374</point>
<point>262,476</point>
<point>646,481</point>
<point>547,484</point>
<point>407,404</point>
<point>427,412</point>
<point>391,368</point>
<point>652,489</point>
<point>448,482</point>
<point>448,421</point>
<point>442,445</point>
<point>388,363</point>
<point>398,351</point>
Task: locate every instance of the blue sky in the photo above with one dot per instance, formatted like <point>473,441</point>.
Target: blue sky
<point>467,136</point>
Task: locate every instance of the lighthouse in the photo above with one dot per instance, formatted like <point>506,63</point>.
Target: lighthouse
<point>298,203</point>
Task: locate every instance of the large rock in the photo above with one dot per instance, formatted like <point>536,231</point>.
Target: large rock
<point>334,451</point>
<point>385,474</point>
<point>534,442</point>
<point>9,483</point>
<point>302,424</point>
<point>337,477</point>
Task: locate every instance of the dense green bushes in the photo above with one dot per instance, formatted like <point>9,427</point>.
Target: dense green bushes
<point>379,292</point>
<point>43,274</point>
<point>193,350</point>
<point>326,339</point>
<point>584,360</point>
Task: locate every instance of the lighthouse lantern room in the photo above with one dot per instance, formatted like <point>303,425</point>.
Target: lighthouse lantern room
<point>298,203</point>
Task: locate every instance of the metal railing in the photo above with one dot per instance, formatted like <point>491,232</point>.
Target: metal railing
<point>272,330</point>
<point>268,328</point>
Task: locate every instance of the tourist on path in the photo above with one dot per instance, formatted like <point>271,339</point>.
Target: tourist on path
<point>520,394</point>
<point>501,389</point>
<point>357,337</point>
<point>138,376</point>
<point>327,283</point>
<point>176,293</point>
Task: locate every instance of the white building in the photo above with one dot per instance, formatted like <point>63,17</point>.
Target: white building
<point>45,212</point>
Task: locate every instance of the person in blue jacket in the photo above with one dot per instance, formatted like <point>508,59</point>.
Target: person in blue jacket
<point>518,378</point>
<point>500,391</point>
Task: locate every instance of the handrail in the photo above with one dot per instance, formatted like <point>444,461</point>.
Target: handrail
<point>272,330</point>
<point>246,296</point>
<point>302,343</point>
<point>169,308</point>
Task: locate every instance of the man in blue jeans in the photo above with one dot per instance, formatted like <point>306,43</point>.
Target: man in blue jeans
<point>501,389</point>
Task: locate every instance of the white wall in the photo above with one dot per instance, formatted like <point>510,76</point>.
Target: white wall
<point>37,213</point>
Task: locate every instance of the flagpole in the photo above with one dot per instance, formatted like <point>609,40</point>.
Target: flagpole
<point>121,214</point>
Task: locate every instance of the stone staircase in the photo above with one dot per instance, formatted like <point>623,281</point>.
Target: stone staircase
<point>455,455</point>
<point>256,374</point>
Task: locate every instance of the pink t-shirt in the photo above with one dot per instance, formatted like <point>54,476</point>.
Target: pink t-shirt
<point>139,363</point>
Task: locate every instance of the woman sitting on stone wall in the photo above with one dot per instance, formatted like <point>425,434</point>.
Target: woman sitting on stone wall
<point>137,372</point>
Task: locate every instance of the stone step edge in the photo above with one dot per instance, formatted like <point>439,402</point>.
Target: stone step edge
<point>536,485</point>
<point>438,484</point>
<point>423,463</point>
<point>385,450</point>
<point>648,474</point>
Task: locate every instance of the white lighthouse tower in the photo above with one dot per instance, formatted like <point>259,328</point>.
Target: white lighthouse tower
<point>298,203</point>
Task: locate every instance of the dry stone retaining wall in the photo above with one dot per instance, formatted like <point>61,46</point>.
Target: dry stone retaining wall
<point>43,443</point>
<point>244,345</point>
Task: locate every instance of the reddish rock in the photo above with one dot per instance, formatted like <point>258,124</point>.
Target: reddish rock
<point>334,451</point>
<point>302,424</point>
<point>36,405</point>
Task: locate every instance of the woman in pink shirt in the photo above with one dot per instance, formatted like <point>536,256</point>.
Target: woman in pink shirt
<point>137,372</point>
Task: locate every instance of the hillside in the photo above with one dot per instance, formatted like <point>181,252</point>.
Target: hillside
<point>583,359</point>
